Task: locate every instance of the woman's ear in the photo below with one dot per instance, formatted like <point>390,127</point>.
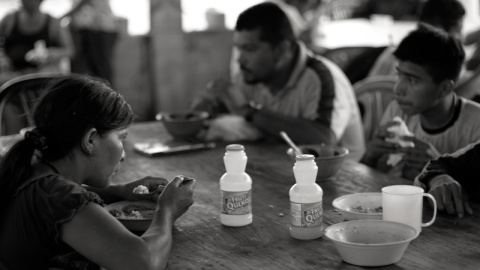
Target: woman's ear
<point>87,141</point>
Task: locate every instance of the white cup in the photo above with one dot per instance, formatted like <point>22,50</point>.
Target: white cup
<point>404,204</point>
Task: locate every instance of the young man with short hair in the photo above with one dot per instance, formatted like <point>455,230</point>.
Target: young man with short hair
<point>429,63</point>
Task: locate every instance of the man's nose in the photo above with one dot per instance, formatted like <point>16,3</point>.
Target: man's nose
<point>399,88</point>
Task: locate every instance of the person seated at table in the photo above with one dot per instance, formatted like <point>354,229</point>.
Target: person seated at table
<point>453,180</point>
<point>444,14</point>
<point>303,16</point>
<point>438,121</point>
<point>281,87</point>
<point>33,41</point>
<point>47,203</point>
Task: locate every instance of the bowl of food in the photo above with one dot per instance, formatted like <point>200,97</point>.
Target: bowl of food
<point>135,216</point>
<point>183,125</point>
<point>328,158</point>
<point>355,206</point>
<point>370,242</point>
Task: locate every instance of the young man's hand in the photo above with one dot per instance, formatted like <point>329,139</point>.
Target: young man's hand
<point>449,195</point>
<point>378,146</point>
<point>416,157</point>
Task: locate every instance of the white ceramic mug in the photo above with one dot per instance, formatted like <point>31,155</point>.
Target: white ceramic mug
<point>404,204</point>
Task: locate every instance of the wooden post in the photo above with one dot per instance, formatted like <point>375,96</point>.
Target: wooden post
<point>168,55</point>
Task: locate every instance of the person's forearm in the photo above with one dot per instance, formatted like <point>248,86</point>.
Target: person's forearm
<point>159,237</point>
<point>56,53</point>
<point>369,161</point>
<point>108,195</point>
<point>301,131</point>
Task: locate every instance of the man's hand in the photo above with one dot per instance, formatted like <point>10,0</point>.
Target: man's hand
<point>416,157</point>
<point>216,92</point>
<point>449,195</point>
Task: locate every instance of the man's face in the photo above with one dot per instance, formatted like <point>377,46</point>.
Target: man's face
<point>415,90</point>
<point>256,58</point>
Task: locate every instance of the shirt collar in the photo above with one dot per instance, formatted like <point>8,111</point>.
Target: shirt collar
<point>301,62</point>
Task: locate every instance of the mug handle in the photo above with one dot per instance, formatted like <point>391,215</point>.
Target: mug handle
<point>434,210</point>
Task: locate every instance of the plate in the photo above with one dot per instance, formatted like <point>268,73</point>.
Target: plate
<point>122,211</point>
<point>360,206</point>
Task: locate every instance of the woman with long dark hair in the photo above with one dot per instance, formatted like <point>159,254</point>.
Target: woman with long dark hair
<point>47,206</point>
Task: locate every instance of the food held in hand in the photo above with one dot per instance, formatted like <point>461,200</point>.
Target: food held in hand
<point>399,130</point>
<point>141,189</point>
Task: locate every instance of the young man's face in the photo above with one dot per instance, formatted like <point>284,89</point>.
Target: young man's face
<point>256,58</point>
<point>415,90</point>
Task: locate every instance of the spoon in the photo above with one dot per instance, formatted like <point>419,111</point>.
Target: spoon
<point>287,139</point>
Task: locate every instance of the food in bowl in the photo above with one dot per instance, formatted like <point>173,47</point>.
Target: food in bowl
<point>135,216</point>
<point>360,209</point>
<point>370,242</point>
<point>367,205</point>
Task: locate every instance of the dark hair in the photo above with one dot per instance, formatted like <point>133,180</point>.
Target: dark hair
<point>70,106</point>
<point>446,14</point>
<point>432,48</point>
<point>270,19</point>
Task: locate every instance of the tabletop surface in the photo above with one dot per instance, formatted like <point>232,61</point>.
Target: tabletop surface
<point>202,242</point>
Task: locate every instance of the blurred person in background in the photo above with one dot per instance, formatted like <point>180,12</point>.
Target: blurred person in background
<point>33,41</point>
<point>398,9</point>
<point>444,14</point>
<point>95,32</point>
<point>281,86</point>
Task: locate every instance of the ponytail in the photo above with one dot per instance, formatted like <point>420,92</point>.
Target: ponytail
<point>15,169</point>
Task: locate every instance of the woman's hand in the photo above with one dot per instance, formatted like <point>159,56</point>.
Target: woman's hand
<point>155,187</point>
<point>177,196</point>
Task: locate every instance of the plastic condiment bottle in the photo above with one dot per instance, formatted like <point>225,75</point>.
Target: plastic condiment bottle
<point>236,188</point>
<point>306,208</point>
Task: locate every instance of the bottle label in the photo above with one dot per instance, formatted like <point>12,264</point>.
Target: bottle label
<point>237,203</point>
<point>306,215</point>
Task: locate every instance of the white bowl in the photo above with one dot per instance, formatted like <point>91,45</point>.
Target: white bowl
<point>360,206</point>
<point>370,242</point>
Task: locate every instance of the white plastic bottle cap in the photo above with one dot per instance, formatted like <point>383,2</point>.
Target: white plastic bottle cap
<point>235,147</point>
<point>304,157</point>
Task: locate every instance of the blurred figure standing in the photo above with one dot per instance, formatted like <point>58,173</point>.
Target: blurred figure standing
<point>94,29</point>
<point>32,41</point>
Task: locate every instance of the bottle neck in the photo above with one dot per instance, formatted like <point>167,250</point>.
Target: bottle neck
<point>305,172</point>
<point>235,162</point>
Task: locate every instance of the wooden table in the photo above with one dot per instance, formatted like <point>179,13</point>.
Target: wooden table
<point>201,242</point>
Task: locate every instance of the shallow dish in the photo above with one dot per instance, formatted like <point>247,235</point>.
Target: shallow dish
<point>183,125</point>
<point>360,206</point>
<point>370,242</point>
<point>145,208</point>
